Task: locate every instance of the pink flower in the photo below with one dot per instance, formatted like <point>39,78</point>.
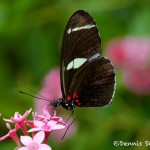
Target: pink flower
<point>129,52</point>
<point>46,116</point>
<point>12,134</point>
<point>46,123</point>
<point>35,143</point>
<point>47,126</point>
<point>138,80</point>
<point>19,120</point>
<point>116,53</point>
<point>132,56</point>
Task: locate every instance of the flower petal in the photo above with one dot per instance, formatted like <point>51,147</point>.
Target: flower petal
<point>8,120</point>
<point>23,148</point>
<point>56,118</point>
<point>26,114</point>
<point>25,140</point>
<point>4,137</point>
<point>44,147</point>
<point>52,123</point>
<point>39,137</point>
<point>17,115</point>
<point>34,129</point>
<point>38,123</point>
<point>57,127</point>
<point>46,113</point>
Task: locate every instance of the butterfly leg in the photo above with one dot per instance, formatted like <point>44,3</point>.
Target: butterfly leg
<point>69,125</point>
<point>69,117</point>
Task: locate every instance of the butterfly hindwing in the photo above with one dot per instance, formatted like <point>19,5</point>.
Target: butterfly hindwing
<point>94,83</point>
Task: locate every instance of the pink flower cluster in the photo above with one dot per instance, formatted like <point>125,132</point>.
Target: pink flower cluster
<point>132,56</point>
<point>40,127</point>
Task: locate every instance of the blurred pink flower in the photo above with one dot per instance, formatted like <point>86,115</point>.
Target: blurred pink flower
<point>132,56</point>
<point>35,143</point>
<point>116,52</point>
<point>129,52</point>
<point>138,80</point>
<point>52,90</point>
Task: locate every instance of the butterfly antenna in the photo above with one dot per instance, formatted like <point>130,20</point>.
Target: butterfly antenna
<point>34,96</point>
<point>31,91</point>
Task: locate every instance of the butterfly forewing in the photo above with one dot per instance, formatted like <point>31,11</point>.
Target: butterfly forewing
<point>81,43</point>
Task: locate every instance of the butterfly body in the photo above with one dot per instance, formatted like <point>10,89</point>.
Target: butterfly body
<point>70,103</point>
<point>87,78</point>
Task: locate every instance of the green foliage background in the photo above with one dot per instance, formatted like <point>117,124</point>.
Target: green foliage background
<point>30,40</point>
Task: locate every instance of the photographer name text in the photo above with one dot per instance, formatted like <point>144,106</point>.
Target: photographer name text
<point>130,144</point>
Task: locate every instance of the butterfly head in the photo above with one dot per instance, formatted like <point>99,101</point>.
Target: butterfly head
<point>69,105</point>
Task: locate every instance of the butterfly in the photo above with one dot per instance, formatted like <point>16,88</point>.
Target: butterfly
<point>87,78</point>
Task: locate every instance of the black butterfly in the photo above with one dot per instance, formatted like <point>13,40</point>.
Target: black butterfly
<point>87,78</point>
